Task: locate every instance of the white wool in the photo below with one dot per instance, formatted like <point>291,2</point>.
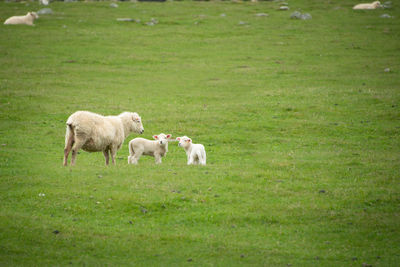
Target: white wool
<point>196,153</point>
<point>27,19</point>
<point>140,146</point>
<point>93,132</point>
<point>372,5</point>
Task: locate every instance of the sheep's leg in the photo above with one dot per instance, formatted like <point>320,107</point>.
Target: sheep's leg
<point>75,148</point>
<point>113,152</point>
<point>106,156</point>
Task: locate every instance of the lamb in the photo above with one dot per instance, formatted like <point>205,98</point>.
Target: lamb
<point>93,132</point>
<point>140,146</point>
<point>372,5</point>
<point>196,154</point>
<point>27,19</point>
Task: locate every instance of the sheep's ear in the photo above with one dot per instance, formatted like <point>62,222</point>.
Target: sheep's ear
<point>189,140</point>
<point>155,137</point>
<point>168,136</point>
<point>178,139</point>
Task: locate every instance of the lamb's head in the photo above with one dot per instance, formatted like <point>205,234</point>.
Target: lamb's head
<point>162,139</point>
<point>34,15</point>
<point>184,141</point>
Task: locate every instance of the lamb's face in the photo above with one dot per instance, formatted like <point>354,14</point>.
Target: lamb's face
<point>162,138</point>
<point>137,125</point>
<point>376,4</point>
<point>184,141</point>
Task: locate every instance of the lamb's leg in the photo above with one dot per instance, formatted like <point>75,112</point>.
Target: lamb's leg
<point>157,159</point>
<point>75,148</point>
<point>190,160</point>
<point>136,157</point>
<point>106,156</point>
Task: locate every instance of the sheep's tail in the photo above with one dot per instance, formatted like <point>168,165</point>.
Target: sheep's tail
<point>69,142</point>
<point>69,136</point>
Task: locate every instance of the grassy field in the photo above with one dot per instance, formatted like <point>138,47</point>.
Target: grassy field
<point>299,119</point>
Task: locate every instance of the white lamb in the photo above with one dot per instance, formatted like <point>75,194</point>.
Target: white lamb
<point>140,146</point>
<point>372,5</point>
<point>27,19</point>
<point>196,154</point>
<point>93,132</point>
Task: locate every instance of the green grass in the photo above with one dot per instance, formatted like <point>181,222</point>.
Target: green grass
<point>300,123</point>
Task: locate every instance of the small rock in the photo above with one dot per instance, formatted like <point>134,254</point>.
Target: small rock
<point>3,144</point>
<point>130,222</point>
<point>387,70</point>
<point>189,260</point>
<point>354,258</point>
<point>242,256</point>
<point>113,5</point>
<point>100,176</point>
<point>306,16</point>
<point>98,202</point>
<point>223,15</point>
<point>65,26</point>
<point>295,15</point>
<point>56,232</point>
<point>316,258</point>
<point>322,191</point>
<point>242,23</point>
<point>41,195</point>
<point>143,210</point>
<point>124,19</point>
<point>298,15</point>
<point>385,16</point>
<point>283,8</point>
<point>366,265</point>
<point>387,4</point>
<point>45,11</point>
<point>261,15</point>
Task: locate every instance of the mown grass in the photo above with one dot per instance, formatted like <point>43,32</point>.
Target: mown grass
<point>299,119</point>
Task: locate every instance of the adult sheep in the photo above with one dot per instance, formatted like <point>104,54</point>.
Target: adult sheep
<point>93,132</point>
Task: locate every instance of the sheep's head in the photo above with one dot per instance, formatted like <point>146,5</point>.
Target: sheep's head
<point>162,138</point>
<point>34,15</point>
<point>376,4</point>
<point>184,141</point>
<point>135,122</point>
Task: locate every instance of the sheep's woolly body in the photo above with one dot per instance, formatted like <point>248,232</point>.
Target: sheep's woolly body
<point>93,132</point>
<point>27,19</point>
<point>155,148</point>
<point>372,5</point>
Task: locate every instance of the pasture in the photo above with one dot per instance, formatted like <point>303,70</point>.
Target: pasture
<point>299,119</point>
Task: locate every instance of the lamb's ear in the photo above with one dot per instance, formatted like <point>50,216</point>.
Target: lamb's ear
<point>155,137</point>
<point>168,136</point>
<point>178,139</point>
<point>189,140</point>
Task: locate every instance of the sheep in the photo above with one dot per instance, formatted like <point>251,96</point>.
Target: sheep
<point>93,132</point>
<point>140,146</point>
<point>196,154</point>
<point>27,19</point>
<point>44,2</point>
<point>372,5</point>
